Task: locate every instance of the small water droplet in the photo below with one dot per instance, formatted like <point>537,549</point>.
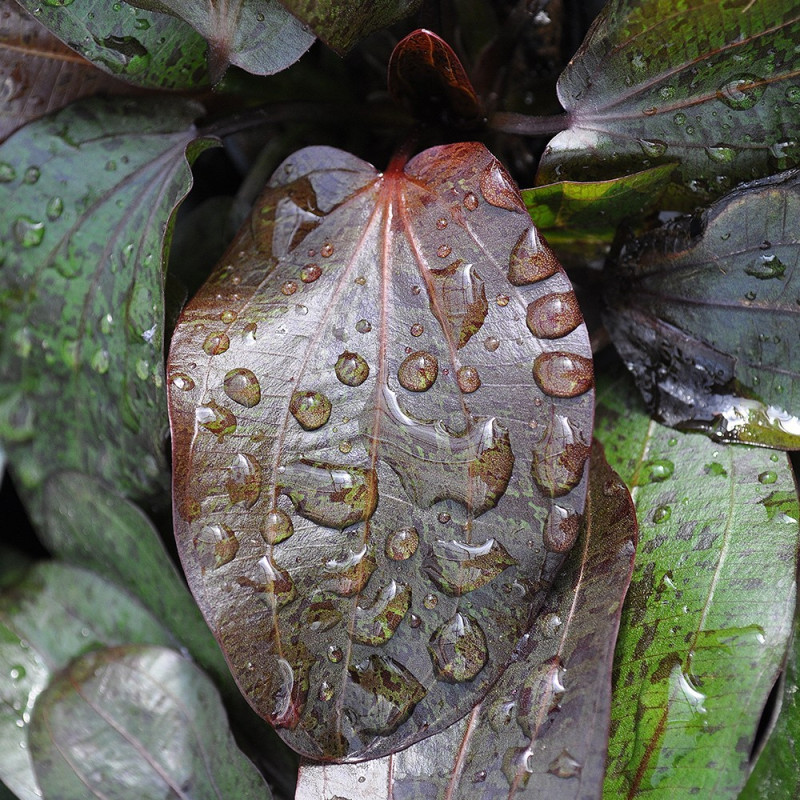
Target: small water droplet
<point>741,93</point>
<point>289,287</point>
<point>326,251</point>
<point>679,118</point>
<point>443,251</point>
<point>766,267</point>
<point>469,380</point>
<point>657,470</point>
<point>360,280</point>
<point>417,329</point>
<point>243,483</point>
<point>216,343</point>
<point>479,777</point>
<point>502,300</point>
<point>721,153</point>
<point>217,419</point>
<point>326,691</point>
<point>531,260</point>
<point>430,601</point>
<point>101,361</point>
<point>215,546</point>
<point>750,296</point>
<point>441,223</point>
<point>667,92</point>
<point>470,201</point>
<point>28,232</point>
<point>242,386</point>
<point>310,273</point>
<point>770,476</point>
<point>402,544</point>
<point>311,409</point>
<point>181,381</point>
<point>7,172</point>
<point>792,95</point>
<point>549,624</point>
<point>662,514</point>
<point>277,526</point>
<point>335,654</point>
<point>31,175</point>
<point>564,766</point>
<point>561,374</point>
<point>561,529</point>
<point>139,23</point>
<point>418,371</point>
<point>653,147</point>
<point>414,621</point>
<point>459,649</point>
<point>443,517</point>
<point>351,369</point>
<point>363,326</point>
<point>55,208</point>
<point>228,317</point>
<point>491,344</point>
<point>17,672</point>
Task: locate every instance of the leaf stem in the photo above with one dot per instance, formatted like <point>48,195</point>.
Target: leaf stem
<point>525,125</point>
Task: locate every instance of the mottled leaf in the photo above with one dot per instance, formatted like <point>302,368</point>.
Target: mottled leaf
<point>365,519</point>
<point>713,86</point>
<point>542,730</point>
<point>137,723</point>
<point>137,45</point>
<point>81,375</point>
<point>342,25</point>
<point>428,78</point>
<point>705,313</point>
<point>709,613</point>
<point>39,74</point>
<point>54,614</point>
<point>259,36</point>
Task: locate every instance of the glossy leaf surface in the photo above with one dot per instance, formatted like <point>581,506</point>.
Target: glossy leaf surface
<point>259,36</point>
<point>365,518</point>
<point>709,613</point>
<point>137,723</point>
<point>139,46</point>
<point>81,297</point>
<point>54,614</point>
<point>705,313</point>
<point>342,25</point>
<point>713,86</point>
<point>542,729</point>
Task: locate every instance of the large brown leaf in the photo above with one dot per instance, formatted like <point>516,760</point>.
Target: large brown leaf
<point>381,412</point>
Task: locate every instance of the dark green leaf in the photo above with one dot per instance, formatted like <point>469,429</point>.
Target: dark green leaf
<point>705,313</point>
<point>341,25</point>
<point>708,616</point>
<point>137,723</point>
<point>142,47</point>
<point>712,85</point>
<point>259,36</point>
<point>542,730</point>
<point>13,565</point>
<point>343,441</point>
<point>53,615</point>
<point>81,374</point>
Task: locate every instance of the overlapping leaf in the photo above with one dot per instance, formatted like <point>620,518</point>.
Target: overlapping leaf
<point>381,405</point>
<point>137,723</point>
<point>137,45</point>
<point>94,188</point>
<point>705,313</point>
<point>54,614</point>
<point>543,728</point>
<point>709,613</point>
<point>713,86</point>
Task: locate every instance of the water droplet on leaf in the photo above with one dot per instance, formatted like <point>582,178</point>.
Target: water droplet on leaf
<point>215,545</point>
<point>363,326</point>
<point>213,417</point>
<point>459,649</point>
<point>216,343</point>
<point>311,409</point>
<point>242,386</point>
<point>310,273</point>
<point>768,477</point>
<point>458,568</point>
<point>561,529</point>
<point>351,369</point>
<point>468,379</point>
<point>277,526</point>
<point>244,480</point>
<point>564,766</point>
<point>418,371</point>
<point>662,514</point>
<point>28,232</point>
<point>741,93</point>
<point>554,315</point>
<point>562,374</point>
<point>402,544</point>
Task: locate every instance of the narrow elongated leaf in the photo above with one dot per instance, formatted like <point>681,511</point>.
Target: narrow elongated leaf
<point>542,730</point>
<point>365,519</point>
<point>342,25</point>
<point>709,613</point>
<point>260,36</point>
<point>714,86</point>
<point>705,313</point>
<point>137,723</point>
<point>94,188</point>
<point>54,614</point>
<point>137,45</point>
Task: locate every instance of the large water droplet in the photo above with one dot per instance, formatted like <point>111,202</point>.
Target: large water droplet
<point>470,201</point>
<point>7,172</point>
<point>540,694</point>
<point>531,260</point>
<point>766,267</point>
<point>469,380</point>
<point>351,369</point>
<point>311,409</point>
<point>349,575</point>
<point>564,766</point>
<point>215,545</point>
<point>329,494</point>
<point>457,568</point>
<point>216,343</point>
<point>277,588</point>
<point>768,477</point>
<point>181,381</point>
<point>418,371</point>
<point>277,526</point>
<point>461,295</point>
<point>559,458</point>
<point>244,480</point>
<point>653,147</point>
<point>28,232</point>
<point>721,153</point>
<point>554,315</point>
<point>402,544</point>
<point>459,649</point>
<point>657,470</point>
<point>242,386</point>
<point>376,623</point>
<point>54,208</point>
<point>499,189</point>
<point>217,419</point>
<point>310,273</point>
<point>561,529</point>
<point>741,93</point>
<point>363,326</point>
<point>563,374</point>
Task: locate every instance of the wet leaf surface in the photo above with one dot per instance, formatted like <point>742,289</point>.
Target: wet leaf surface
<point>543,728</point>
<point>705,313</point>
<point>342,26</point>
<point>141,723</point>
<point>428,78</point>
<point>54,614</point>
<point>81,372</point>
<point>713,86</point>
<point>39,74</point>
<point>708,616</point>
<point>259,36</point>
<point>142,47</point>
<point>365,519</point>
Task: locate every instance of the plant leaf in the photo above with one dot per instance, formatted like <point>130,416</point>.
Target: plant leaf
<point>709,613</point>
<point>95,187</point>
<point>139,46</point>
<point>713,86</point>
<point>137,723</point>
<point>342,26</point>
<point>259,36</point>
<point>704,312</point>
<point>39,73</point>
<point>543,728</point>
<point>54,614</point>
<point>343,442</point>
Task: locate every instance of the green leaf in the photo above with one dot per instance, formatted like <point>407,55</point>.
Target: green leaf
<point>259,36</point>
<point>13,565</point>
<point>704,311</point>
<point>53,615</point>
<point>341,25</point>
<point>142,47</point>
<point>542,730</point>
<point>137,723</point>
<point>709,613</point>
<point>342,443</point>
<point>95,187</point>
<point>713,86</point>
